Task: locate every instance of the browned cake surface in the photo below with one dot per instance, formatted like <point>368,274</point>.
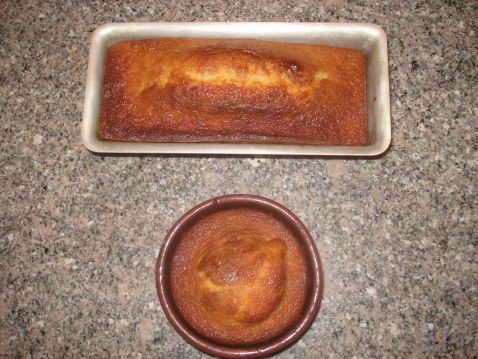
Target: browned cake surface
<point>200,90</point>
<point>239,277</point>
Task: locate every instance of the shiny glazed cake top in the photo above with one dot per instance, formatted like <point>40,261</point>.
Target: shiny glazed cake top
<point>239,277</point>
<point>194,90</point>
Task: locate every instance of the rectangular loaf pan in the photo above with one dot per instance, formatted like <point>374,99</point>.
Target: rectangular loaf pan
<point>369,39</point>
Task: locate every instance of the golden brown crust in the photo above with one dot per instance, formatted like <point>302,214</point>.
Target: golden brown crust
<point>239,277</point>
<point>200,90</point>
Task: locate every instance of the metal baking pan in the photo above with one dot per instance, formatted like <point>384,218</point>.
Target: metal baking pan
<point>369,39</point>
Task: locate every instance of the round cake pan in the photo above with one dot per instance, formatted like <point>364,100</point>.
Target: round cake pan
<point>315,282</point>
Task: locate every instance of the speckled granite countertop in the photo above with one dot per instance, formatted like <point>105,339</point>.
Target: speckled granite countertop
<point>80,233</point>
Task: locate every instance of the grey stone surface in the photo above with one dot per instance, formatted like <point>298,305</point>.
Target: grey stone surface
<point>80,233</point>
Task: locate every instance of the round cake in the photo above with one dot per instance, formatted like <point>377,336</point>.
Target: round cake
<point>239,277</point>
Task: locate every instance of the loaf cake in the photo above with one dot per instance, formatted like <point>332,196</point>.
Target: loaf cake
<point>239,277</point>
<point>234,90</point>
